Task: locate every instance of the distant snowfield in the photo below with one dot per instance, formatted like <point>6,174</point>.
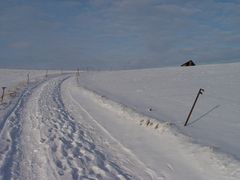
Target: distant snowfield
<point>170,93</point>
<point>15,79</point>
<point>100,126</point>
<point>12,77</point>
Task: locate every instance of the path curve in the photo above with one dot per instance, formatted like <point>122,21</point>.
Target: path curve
<point>41,140</point>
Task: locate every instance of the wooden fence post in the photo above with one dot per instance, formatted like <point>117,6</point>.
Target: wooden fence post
<point>28,78</point>
<point>46,75</point>
<point>3,90</point>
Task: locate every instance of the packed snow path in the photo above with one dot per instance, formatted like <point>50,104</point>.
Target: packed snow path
<point>41,140</point>
<point>58,130</point>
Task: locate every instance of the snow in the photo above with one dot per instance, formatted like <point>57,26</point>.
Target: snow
<point>15,80</point>
<point>164,154</point>
<point>13,77</point>
<point>170,93</point>
<point>100,126</point>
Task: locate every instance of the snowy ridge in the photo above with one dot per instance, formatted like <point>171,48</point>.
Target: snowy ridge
<point>227,164</point>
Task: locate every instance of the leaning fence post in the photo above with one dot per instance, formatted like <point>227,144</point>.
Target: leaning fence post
<point>199,92</point>
<point>3,90</point>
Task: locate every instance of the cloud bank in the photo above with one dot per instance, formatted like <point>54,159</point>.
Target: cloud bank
<point>123,34</point>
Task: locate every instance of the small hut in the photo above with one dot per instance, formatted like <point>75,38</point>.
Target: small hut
<point>189,63</point>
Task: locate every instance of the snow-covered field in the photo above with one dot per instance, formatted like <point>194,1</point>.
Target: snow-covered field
<point>170,93</point>
<point>10,78</point>
<point>15,80</point>
<point>123,125</point>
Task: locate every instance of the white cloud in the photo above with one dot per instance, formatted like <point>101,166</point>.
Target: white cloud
<point>113,33</point>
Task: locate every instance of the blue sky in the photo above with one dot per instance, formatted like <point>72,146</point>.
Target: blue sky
<point>117,34</point>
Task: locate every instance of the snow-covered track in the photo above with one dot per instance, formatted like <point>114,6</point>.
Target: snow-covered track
<point>10,130</point>
<point>72,153</point>
<point>40,139</point>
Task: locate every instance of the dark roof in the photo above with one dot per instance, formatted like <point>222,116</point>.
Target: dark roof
<point>189,63</point>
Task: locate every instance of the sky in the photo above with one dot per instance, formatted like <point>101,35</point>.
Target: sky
<point>117,34</point>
